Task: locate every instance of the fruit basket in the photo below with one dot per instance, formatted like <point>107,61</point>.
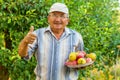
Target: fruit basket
<point>80,59</point>
<point>80,65</point>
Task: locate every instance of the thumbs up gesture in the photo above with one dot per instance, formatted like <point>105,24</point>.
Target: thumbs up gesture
<point>31,29</point>
<point>30,37</point>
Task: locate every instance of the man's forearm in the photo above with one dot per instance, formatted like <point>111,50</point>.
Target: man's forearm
<point>23,48</point>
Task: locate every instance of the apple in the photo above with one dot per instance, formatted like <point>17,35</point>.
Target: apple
<point>92,56</point>
<point>81,61</point>
<point>72,56</point>
<point>83,52</point>
<point>71,62</point>
<point>80,55</point>
<point>88,60</point>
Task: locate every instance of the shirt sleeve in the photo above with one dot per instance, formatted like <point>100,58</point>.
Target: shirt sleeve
<point>78,42</point>
<point>81,44</point>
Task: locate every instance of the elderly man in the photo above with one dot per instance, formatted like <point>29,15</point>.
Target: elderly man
<point>52,45</point>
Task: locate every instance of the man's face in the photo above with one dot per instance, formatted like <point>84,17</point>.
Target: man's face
<point>58,20</point>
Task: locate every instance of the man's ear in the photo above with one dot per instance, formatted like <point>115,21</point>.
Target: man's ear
<point>68,21</point>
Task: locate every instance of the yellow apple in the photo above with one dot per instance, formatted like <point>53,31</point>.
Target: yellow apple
<point>81,61</point>
<point>72,56</point>
<point>92,56</point>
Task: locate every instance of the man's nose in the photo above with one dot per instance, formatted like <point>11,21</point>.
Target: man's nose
<point>58,18</point>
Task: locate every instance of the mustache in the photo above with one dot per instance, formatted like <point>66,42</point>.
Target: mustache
<point>57,22</point>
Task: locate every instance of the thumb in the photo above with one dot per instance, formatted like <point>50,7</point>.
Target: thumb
<point>31,29</point>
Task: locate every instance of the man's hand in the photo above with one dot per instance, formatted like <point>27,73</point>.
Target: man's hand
<point>30,37</point>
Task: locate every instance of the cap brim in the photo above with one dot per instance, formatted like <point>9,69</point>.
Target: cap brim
<point>57,11</point>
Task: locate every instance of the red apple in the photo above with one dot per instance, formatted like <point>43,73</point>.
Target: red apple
<point>71,62</point>
<point>88,60</point>
<point>83,52</point>
<point>80,55</point>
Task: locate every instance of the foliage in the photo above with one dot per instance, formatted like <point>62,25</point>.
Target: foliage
<point>94,19</point>
<point>105,73</point>
<point>17,67</point>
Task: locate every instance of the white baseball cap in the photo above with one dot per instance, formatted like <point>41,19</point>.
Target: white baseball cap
<point>60,7</point>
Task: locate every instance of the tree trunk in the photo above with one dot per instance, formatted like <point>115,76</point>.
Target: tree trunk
<point>8,41</point>
<point>3,73</point>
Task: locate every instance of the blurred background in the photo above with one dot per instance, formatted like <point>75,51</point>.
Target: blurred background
<point>98,21</point>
